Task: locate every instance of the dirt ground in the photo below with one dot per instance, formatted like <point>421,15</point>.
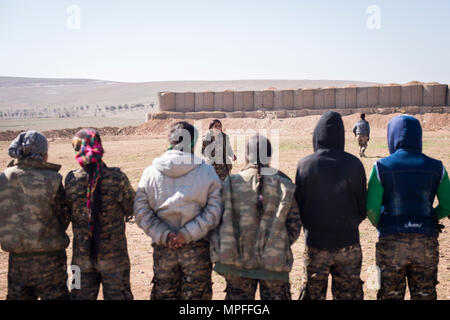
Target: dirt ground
<point>134,152</point>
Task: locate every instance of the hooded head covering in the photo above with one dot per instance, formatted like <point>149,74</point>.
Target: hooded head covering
<point>29,144</point>
<point>404,131</point>
<point>182,136</point>
<point>329,132</point>
<point>88,153</point>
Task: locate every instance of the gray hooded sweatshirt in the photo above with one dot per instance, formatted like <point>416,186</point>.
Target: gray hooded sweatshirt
<point>179,192</point>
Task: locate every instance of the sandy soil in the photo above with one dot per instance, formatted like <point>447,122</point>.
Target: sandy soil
<point>135,152</point>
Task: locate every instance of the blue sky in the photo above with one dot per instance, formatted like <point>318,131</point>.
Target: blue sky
<point>224,40</point>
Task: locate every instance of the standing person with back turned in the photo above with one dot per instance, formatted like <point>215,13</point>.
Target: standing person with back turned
<point>178,203</point>
<point>402,189</point>
<point>331,194</point>
<point>101,198</point>
<point>361,130</point>
<point>260,223</point>
<point>216,148</point>
<point>33,221</point>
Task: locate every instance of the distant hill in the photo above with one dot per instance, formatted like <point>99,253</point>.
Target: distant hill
<point>38,93</point>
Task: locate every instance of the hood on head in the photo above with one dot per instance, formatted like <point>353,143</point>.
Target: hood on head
<point>329,132</point>
<point>404,131</point>
<point>175,163</point>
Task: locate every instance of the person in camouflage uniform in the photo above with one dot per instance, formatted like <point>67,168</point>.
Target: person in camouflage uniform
<point>260,222</point>
<point>178,203</point>
<point>402,190</point>
<point>101,199</point>
<point>345,266</point>
<point>33,221</point>
<point>216,148</point>
<point>331,194</point>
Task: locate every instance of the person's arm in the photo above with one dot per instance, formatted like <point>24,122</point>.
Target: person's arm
<point>374,197</point>
<point>126,196</point>
<point>61,209</point>
<point>361,192</point>
<point>293,222</point>
<point>146,218</point>
<point>210,216</point>
<point>443,195</point>
<point>354,130</point>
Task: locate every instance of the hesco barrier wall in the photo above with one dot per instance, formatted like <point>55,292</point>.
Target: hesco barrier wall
<point>412,94</point>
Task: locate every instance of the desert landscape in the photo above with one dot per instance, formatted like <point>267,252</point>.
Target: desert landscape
<point>146,141</point>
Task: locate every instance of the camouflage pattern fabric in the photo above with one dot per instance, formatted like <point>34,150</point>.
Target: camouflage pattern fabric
<point>408,257</point>
<point>115,280</point>
<point>33,211</point>
<point>222,170</point>
<point>343,264</point>
<point>220,152</point>
<point>39,276</point>
<point>239,288</point>
<point>362,142</point>
<point>184,273</point>
<point>251,241</point>
<point>117,204</point>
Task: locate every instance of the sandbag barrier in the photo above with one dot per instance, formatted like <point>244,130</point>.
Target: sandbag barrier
<point>414,93</point>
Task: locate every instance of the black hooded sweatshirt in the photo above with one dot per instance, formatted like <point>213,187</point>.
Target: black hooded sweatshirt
<point>331,188</point>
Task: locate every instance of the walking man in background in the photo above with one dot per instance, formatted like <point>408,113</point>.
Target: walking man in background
<point>361,130</point>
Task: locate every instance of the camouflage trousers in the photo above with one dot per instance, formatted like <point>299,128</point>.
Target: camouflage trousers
<point>343,264</point>
<point>239,288</point>
<point>113,275</point>
<point>37,276</point>
<point>362,142</point>
<point>222,170</point>
<point>182,274</point>
<point>411,257</point>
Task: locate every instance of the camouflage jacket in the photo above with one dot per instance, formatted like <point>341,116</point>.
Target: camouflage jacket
<point>117,203</point>
<point>33,213</point>
<point>246,241</point>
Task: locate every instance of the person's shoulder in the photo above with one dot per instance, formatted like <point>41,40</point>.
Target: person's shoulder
<point>306,160</point>
<point>75,175</point>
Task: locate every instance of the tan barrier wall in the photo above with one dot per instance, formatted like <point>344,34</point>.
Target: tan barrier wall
<point>258,100</point>
<point>167,101</point>
<point>350,97</point>
<point>238,101</point>
<point>389,95</point>
<point>340,98</point>
<point>248,100</point>
<point>287,99</point>
<point>448,96</point>
<point>268,101</point>
<point>218,101</point>
<point>298,99</point>
<point>308,98</point>
<point>228,101</point>
<point>412,94</point>
<point>434,94</point>
<point>189,101</point>
<point>179,101</point>
<point>208,101</point>
<point>373,96</point>
<point>319,99</point>
<point>362,97</point>
<point>199,106</point>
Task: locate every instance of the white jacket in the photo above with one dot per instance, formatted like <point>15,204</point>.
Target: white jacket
<point>178,192</point>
